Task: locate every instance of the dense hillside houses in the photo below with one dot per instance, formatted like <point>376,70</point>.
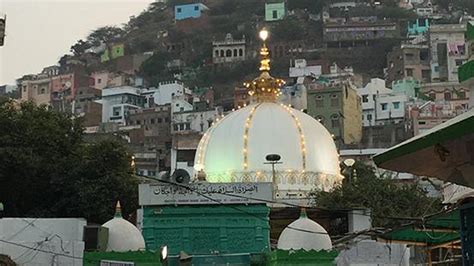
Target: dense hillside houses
<point>356,77</point>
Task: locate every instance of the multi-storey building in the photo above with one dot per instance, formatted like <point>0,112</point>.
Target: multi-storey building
<point>454,93</point>
<point>228,50</point>
<point>85,106</point>
<point>152,143</point>
<point>117,102</point>
<point>36,88</point>
<point>448,51</point>
<point>339,109</point>
<point>356,34</point>
<point>409,61</point>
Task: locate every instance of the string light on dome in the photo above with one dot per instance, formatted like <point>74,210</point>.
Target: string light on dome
<point>246,133</point>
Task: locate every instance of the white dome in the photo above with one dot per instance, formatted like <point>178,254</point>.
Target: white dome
<point>293,238</point>
<point>235,147</point>
<point>123,235</point>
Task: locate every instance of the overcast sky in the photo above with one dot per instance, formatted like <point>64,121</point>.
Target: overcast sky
<point>39,32</point>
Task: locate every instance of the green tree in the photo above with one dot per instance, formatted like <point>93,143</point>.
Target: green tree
<point>47,170</point>
<point>105,35</point>
<point>80,47</point>
<point>380,194</point>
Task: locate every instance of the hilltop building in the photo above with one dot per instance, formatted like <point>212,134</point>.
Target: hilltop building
<point>117,102</point>
<point>448,51</point>
<point>182,12</point>
<point>338,108</point>
<point>409,61</point>
<point>275,10</point>
<point>229,50</point>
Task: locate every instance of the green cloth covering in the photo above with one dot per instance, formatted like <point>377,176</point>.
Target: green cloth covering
<point>438,229</point>
<point>466,71</point>
<point>470,31</point>
<point>140,258</point>
<point>301,257</point>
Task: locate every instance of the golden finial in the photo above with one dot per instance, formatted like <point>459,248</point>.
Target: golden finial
<point>264,88</point>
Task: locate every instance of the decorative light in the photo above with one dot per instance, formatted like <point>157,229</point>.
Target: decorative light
<point>263,34</point>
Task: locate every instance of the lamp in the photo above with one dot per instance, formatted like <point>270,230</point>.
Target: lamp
<point>164,255</point>
<point>349,162</point>
<point>263,34</point>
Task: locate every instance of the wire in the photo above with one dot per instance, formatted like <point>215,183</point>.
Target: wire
<point>49,252</point>
<point>281,202</point>
<point>256,199</point>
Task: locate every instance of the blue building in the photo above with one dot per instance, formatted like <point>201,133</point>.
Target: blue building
<point>418,27</point>
<point>189,11</point>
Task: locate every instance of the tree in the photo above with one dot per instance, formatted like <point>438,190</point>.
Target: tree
<point>80,47</point>
<point>155,67</point>
<point>47,170</point>
<point>104,35</point>
<point>380,194</point>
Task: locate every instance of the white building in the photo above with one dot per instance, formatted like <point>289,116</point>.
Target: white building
<point>295,95</point>
<point>301,69</point>
<point>228,50</point>
<point>448,51</point>
<point>369,95</point>
<point>188,124</point>
<point>390,108</point>
<point>165,92</point>
<point>38,242</point>
<point>118,101</point>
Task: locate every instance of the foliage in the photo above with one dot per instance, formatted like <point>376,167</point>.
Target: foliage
<point>46,169</point>
<point>105,35</point>
<point>313,6</point>
<point>380,194</point>
<point>154,68</point>
<point>288,29</point>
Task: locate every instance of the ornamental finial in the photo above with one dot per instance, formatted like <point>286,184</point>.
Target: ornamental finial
<point>264,88</point>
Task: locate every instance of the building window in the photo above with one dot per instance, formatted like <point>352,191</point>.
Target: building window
<point>409,72</point>
<point>384,106</point>
<point>396,105</point>
<point>222,53</point>
<point>117,110</point>
<point>152,121</point>
<point>167,120</point>
<point>275,14</point>
<point>42,91</point>
<point>228,53</point>
<point>181,127</point>
<point>369,117</point>
<point>99,81</point>
<point>235,52</point>
<point>365,98</point>
<point>178,10</point>
<point>432,96</point>
<point>217,53</point>
<point>319,101</point>
<point>447,96</point>
<point>188,126</point>
<point>335,121</point>
<point>241,52</point>
<point>196,8</point>
<point>159,120</point>
<point>461,95</point>
<point>334,100</point>
<point>459,62</point>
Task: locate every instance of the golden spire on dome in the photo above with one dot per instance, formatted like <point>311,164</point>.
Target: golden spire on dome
<point>264,88</point>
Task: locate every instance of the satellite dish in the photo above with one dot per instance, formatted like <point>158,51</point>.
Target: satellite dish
<point>181,176</point>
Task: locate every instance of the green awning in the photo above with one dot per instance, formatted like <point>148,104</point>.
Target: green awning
<point>434,231</point>
<point>445,152</point>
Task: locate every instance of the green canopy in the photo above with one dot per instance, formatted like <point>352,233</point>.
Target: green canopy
<point>445,152</point>
<point>435,231</point>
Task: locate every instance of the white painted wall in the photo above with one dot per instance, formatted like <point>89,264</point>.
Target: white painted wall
<point>61,236</point>
<point>372,253</point>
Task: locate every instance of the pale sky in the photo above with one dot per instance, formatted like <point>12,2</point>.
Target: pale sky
<point>39,32</point>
